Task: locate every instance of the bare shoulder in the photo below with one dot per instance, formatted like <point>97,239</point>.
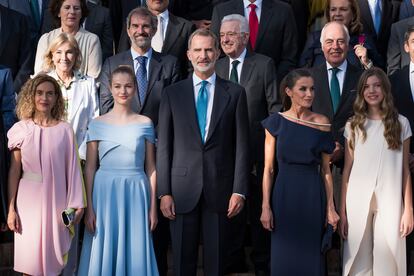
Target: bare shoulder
<point>141,119</point>
<point>322,121</point>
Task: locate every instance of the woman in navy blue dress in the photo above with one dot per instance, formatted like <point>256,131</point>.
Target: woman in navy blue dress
<point>297,209</point>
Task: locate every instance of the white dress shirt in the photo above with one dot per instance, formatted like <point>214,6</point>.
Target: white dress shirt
<point>340,74</point>
<point>165,18</point>
<point>211,86</point>
<point>148,54</point>
<point>240,65</point>
<point>371,4</point>
<point>258,4</point>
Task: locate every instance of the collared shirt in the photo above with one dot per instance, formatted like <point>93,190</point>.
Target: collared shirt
<point>240,65</point>
<point>211,86</point>
<point>371,4</point>
<point>412,78</point>
<point>340,74</point>
<point>258,4</point>
<point>165,18</point>
<point>148,54</point>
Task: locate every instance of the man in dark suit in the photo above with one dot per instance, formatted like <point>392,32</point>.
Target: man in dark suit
<point>98,22</point>
<point>334,85</point>
<point>160,71</point>
<point>327,77</point>
<point>402,82</point>
<point>34,14</point>
<point>172,36</point>
<point>377,20</point>
<point>256,73</point>
<point>397,57</point>
<point>16,52</point>
<point>163,70</point>
<point>202,159</point>
<point>276,33</point>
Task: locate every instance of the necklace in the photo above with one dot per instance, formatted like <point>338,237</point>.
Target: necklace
<point>303,121</point>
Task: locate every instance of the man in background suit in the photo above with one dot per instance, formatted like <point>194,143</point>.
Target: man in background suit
<point>274,35</point>
<point>397,57</point>
<point>98,22</point>
<point>377,17</point>
<point>202,159</point>
<point>34,10</point>
<point>154,71</point>
<point>256,73</point>
<point>402,82</point>
<point>334,85</point>
<point>16,52</point>
<point>172,36</point>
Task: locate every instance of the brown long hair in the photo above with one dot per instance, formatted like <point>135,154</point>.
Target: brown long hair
<point>289,81</point>
<point>389,114</point>
<point>26,109</point>
<point>355,26</point>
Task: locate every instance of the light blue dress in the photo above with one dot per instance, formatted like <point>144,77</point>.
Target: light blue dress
<point>122,242</point>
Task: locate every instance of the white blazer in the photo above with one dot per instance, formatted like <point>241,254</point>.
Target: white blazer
<point>82,108</point>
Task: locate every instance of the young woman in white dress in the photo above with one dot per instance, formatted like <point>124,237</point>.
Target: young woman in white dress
<point>376,204</point>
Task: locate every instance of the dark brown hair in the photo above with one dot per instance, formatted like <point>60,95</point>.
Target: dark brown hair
<point>54,8</point>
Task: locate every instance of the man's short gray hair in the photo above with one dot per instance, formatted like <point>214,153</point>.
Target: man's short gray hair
<point>244,25</point>
<point>345,29</point>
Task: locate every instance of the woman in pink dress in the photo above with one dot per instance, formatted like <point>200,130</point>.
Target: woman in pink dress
<point>44,179</point>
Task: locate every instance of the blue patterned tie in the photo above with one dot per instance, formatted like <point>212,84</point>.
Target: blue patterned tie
<point>377,16</point>
<point>141,76</point>
<point>201,106</point>
<point>335,89</point>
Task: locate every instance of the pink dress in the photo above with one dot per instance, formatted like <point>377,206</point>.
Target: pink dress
<point>51,182</point>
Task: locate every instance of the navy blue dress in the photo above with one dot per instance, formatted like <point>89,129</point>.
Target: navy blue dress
<point>298,197</point>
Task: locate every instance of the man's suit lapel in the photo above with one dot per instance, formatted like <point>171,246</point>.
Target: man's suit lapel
<point>365,13</point>
<point>91,17</point>
<point>350,79</point>
<point>247,69</point>
<point>173,31</point>
<point>405,90</point>
<point>221,99</point>
<point>155,67</point>
<point>324,94</point>
<point>265,18</point>
<point>188,103</point>
<point>222,68</point>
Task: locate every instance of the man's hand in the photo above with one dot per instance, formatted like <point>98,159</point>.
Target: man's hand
<point>167,207</point>
<point>236,204</point>
<point>203,23</point>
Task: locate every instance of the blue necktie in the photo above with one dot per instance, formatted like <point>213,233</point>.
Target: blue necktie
<point>141,76</point>
<point>335,89</point>
<point>377,16</point>
<point>201,106</point>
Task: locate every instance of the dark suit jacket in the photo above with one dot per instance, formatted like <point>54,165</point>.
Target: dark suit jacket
<point>403,98</point>
<point>193,9</point>
<point>163,71</point>
<point>175,42</point>
<point>322,102</point>
<point>259,80</point>
<point>397,58</point>
<point>16,51</point>
<point>187,168</point>
<point>97,22</point>
<point>277,36</point>
<point>23,7</point>
<point>406,9</point>
<point>390,11</point>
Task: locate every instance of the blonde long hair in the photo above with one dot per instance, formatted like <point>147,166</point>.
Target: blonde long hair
<point>389,114</point>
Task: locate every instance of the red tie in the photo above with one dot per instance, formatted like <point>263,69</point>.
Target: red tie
<point>253,24</point>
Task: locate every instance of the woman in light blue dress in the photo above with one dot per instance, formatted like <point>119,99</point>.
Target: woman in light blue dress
<point>120,188</point>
